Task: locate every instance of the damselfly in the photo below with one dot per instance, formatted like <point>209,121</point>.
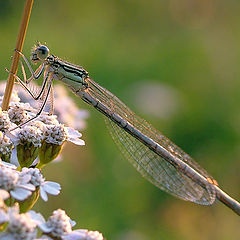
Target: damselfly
<point>157,158</point>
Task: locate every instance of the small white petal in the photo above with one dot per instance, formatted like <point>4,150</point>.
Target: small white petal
<point>51,188</point>
<point>8,165</point>
<point>13,134</point>
<point>25,178</point>
<point>73,223</point>
<point>3,216</point>
<point>7,236</point>
<point>14,210</point>
<point>83,234</point>
<point>20,194</point>
<point>4,194</point>
<point>14,158</point>
<point>73,133</point>
<point>76,235</point>
<point>45,228</point>
<point>53,185</point>
<point>27,186</point>
<point>43,194</point>
<point>76,141</point>
<point>37,217</point>
<point>35,162</point>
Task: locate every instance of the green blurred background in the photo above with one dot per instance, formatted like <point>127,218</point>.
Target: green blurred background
<point>176,63</point>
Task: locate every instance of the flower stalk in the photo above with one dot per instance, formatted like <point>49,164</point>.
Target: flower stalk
<point>19,46</point>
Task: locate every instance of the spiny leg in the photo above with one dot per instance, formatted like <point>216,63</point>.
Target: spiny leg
<point>34,74</point>
<point>49,87</point>
<point>51,101</point>
<point>37,72</point>
<point>23,72</point>
<point>24,85</point>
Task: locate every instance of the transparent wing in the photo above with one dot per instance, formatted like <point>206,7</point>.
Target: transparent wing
<point>153,167</point>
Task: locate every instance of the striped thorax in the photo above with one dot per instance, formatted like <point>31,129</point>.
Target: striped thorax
<point>72,75</point>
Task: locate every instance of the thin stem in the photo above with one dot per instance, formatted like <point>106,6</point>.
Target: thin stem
<point>16,56</point>
<point>227,200</point>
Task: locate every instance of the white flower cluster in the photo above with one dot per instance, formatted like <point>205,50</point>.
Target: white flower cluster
<point>19,186</point>
<point>20,226</point>
<point>5,122</point>
<point>29,134</point>
<point>6,144</point>
<point>58,224</point>
<point>18,112</point>
<point>55,134</point>
<point>58,134</point>
<point>30,147</point>
<point>22,184</point>
<point>27,226</point>
<point>29,138</point>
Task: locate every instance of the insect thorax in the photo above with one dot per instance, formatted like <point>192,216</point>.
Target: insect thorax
<point>73,76</point>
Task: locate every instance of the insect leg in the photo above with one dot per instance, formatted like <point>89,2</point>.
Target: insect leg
<point>42,106</point>
<point>35,75</point>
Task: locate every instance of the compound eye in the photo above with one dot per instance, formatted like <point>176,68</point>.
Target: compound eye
<point>42,52</point>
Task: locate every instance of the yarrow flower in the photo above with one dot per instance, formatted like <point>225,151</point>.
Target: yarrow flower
<point>55,134</point>
<point>34,145</point>
<point>57,225</point>
<point>43,136</point>
<point>14,96</point>
<point>26,226</point>
<point>19,188</point>
<point>3,215</point>
<point>28,142</point>
<point>58,134</point>
<point>18,112</point>
<point>22,184</point>
<point>3,195</point>
<point>53,138</point>
<point>30,134</point>
<point>5,122</point>
<point>6,147</point>
<point>48,119</point>
<point>37,180</point>
<point>83,234</point>
<point>20,226</point>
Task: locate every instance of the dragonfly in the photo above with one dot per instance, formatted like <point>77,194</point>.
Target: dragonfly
<point>158,159</point>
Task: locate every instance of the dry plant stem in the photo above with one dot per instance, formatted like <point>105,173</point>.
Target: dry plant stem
<point>227,200</point>
<point>19,46</point>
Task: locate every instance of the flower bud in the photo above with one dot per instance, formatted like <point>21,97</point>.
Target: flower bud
<point>29,142</point>
<point>54,137</point>
<point>26,154</point>
<point>48,152</point>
